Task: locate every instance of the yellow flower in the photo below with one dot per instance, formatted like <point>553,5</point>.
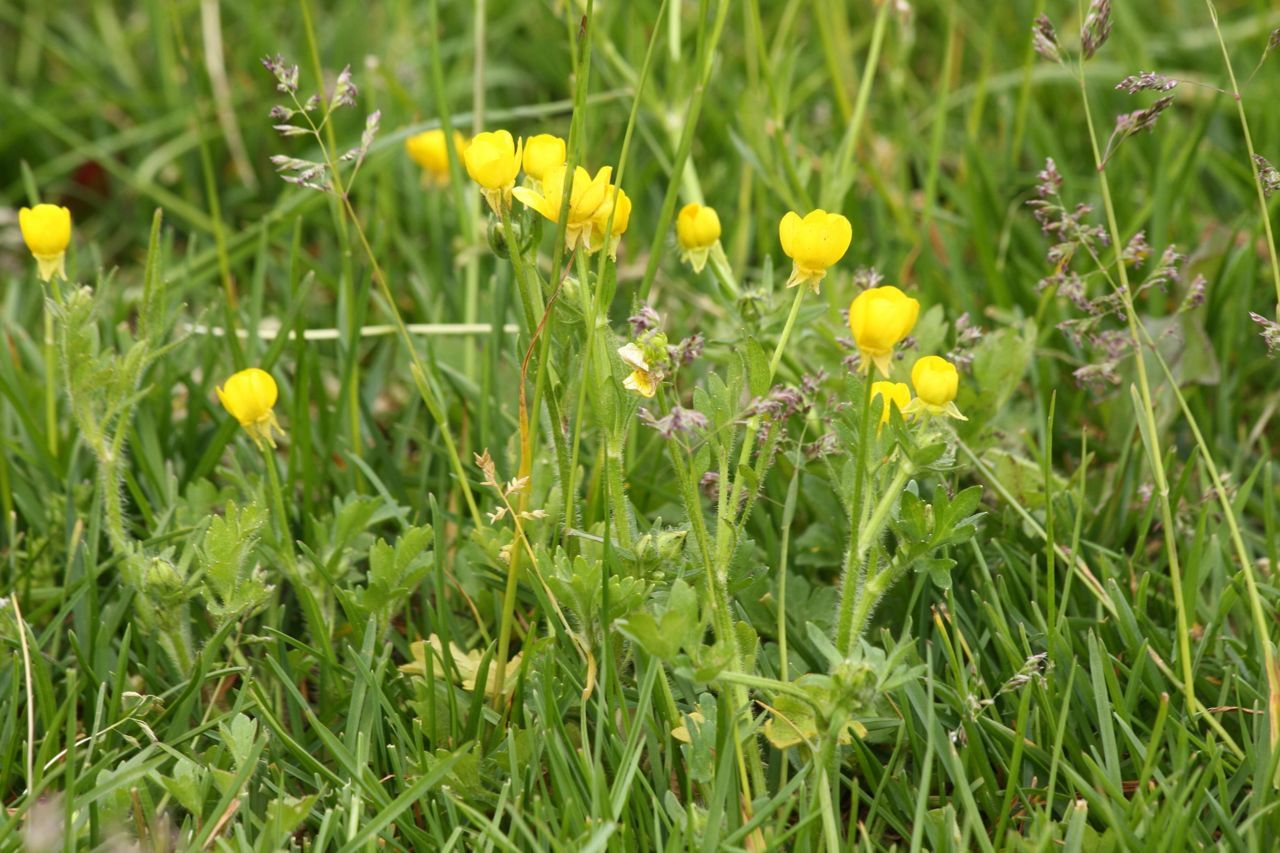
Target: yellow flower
<point>895,395</point>
<point>643,379</point>
<point>46,228</point>
<point>879,319</point>
<point>936,381</point>
<point>493,161</point>
<point>542,153</point>
<point>814,244</point>
<point>618,205</point>
<point>697,230</point>
<point>428,150</point>
<point>586,195</point>
<point>249,396</point>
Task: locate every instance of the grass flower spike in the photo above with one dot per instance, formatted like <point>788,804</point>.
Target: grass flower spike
<point>936,381</point>
<point>697,230</point>
<point>542,153</point>
<point>493,161</point>
<point>46,229</point>
<point>428,150</point>
<point>617,204</point>
<point>586,195</point>
<point>814,243</point>
<point>879,318</point>
<point>249,396</point>
<point>895,395</point>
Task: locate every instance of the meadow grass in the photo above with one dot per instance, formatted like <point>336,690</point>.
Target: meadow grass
<point>475,598</point>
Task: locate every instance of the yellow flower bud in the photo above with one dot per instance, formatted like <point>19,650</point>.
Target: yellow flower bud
<point>46,229</point>
<point>894,394</point>
<point>249,396</point>
<point>493,161</point>
<point>697,230</point>
<point>542,153</point>
<point>618,206</point>
<point>586,195</point>
<point>814,243</point>
<point>879,319</point>
<point>428,150</point>
<point>936,381</point>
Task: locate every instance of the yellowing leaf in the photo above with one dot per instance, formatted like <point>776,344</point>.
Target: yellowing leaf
<point>467,665</point>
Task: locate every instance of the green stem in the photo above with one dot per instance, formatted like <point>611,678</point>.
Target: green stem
<point>786,331</point>
<point>346,282</point>
<point>728,521</point>
<point>615,475</point>
<point>283,538</point>
<point>1144,388</point>
<point>1261,625</point>
<point>1253,162</point>
<point>689,132</point>
<point>859,595</point>
<point>853,560</point>
<point>418,367</point>
<point>50,384</point>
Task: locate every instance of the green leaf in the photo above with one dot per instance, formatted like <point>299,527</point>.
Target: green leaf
<point>239,737</point>
<point>677,627</point>
<point>757,363</point>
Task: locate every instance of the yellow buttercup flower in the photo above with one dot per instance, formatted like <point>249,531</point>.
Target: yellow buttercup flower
<point>895,395</point>
<point>249,396</point>
<point>493,161</point>
<point>542,153</point>
<point>586,195</point>
<point>697,230</point>
<point>879,318</point>
<point>936,381</point>
<point>429,150</point>
<point>814,243</point>
<point>46,229</point>
<point>618,206</point>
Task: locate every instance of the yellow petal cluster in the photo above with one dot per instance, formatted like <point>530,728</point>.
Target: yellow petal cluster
<point>430,151</point>
<point>879,318</point>
<point>586,197</point>
<point>610,222</point>
<point>814,244</point>
<point>894,394</point>
<point>697,230</point>
<point>542,153</point>
<point>493,161</point>
<point>46,229</point>
<point>936,381</point>
<point>250,396</point>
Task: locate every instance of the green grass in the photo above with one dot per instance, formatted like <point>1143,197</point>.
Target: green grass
<point>210,658</point>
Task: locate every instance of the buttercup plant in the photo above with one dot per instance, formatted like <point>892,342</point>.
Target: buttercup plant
<point>493,161</point>
<point>697,231</point>
<point>936,381</point>
<point>587,197</point>
<point>250,397</point>
<point>814,243</point>
<point>542,154</point>
<point>46,229</point>
<point>880,318</point>
<point>430,151</point>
